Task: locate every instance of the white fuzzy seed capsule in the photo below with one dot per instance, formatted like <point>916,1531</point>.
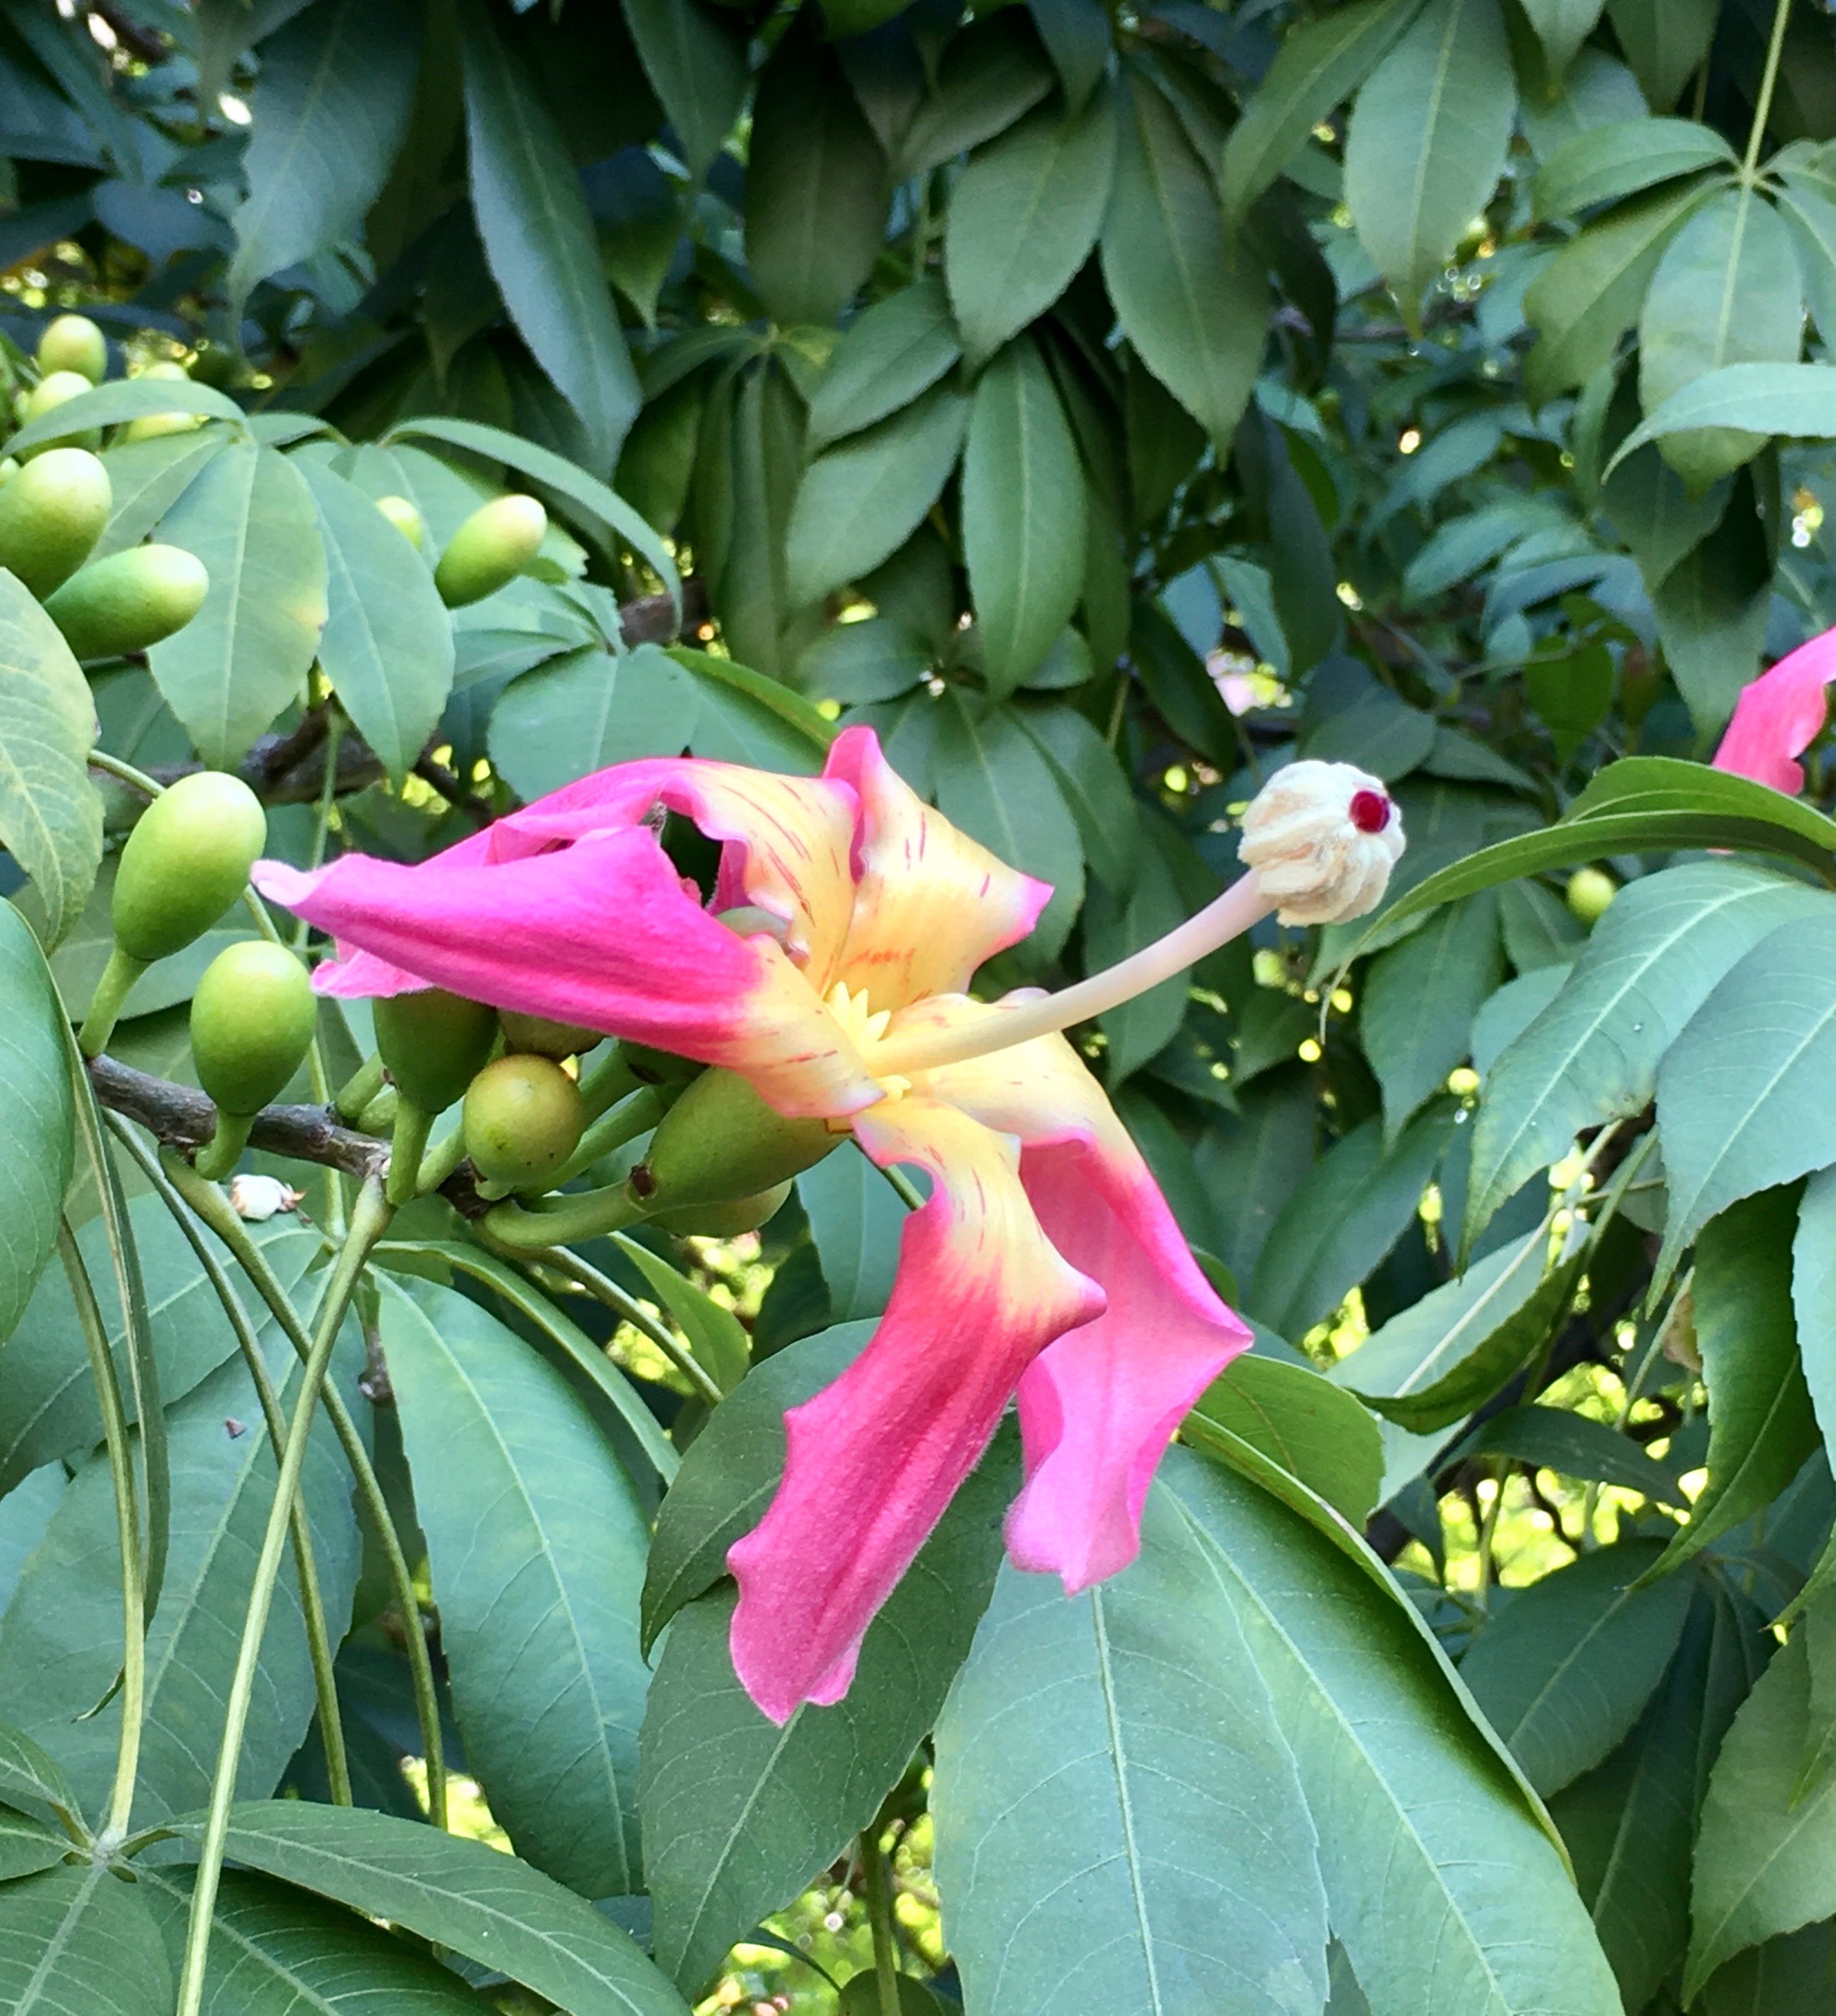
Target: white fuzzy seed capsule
<point>1321,839</point>
<point>258,1198</point>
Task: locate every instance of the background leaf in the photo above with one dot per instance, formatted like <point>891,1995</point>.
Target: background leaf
<point>50,817</point>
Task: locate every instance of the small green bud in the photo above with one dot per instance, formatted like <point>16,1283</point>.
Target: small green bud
<point>536,1037</point>
<point>168,368</point>
<point>720,1142</point>
<point>252,1023</point>
<point>523,1119</point>
<point>53,391</point>
<point>129,600</point>
<point>724,1221</point>
<point>433,1044</point>
<point>52,514</point>
<point>1590,891</point>
<point>406,519</point>
<point>490,549</point>
<point>73,343</point>
<point>185,862</point>
<point>10,468</point>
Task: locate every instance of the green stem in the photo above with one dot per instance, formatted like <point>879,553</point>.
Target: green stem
<point>128,1529</point>
<point>213,1207</point>
<point>632,1115</point>
<point>369,1222</point>
<point>586,1214</point>
<point>880,1918</point>
<point>407,1144</point>
<point>602,1288</point>
<point>1488,1530</point>
<point>218,1158</point>
<point>125,773</point>
<point>1763,105</point>
<point>312,1603</point>
<point>606,1081</point>
<point>441,1158</point>
<point>107,1001</point>
<point>359,1089</point>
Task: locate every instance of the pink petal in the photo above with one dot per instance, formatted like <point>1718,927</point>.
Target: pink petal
<point>873,1460</point>
<point>931,904</point>
<point>1099,1406</point>
<point>788,849</point>
<point>1779,715</point>
<point>600,931</point>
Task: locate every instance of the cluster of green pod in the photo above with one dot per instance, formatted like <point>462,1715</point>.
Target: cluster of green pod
<point>185,862</point>
<point>55,504</point>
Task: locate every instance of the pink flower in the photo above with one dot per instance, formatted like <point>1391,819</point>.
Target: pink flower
<point>1046,1263</point>
<point>1779,715</point>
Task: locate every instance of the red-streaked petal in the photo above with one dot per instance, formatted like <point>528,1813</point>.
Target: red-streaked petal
<point>1779,715</point>
<point>931,904</point>
<point>1097,1408</point>
<point>789,840</point>
<point>873,1460</point>
<point>601,933</point>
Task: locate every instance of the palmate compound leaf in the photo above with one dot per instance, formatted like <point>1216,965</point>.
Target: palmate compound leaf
<point>1727,291</point>
<point>1119,1819</point>
<point>277,1951</point>
<point>1592,1054</point>
<point>81,1939</point>
<point>60,1636</point>
<point>1630,1822</point>
<point>37,1116</point>
<point>48,1407</point>
<point>1320,63</point>
<point>1747,1092</point>
<point>1188,297</point>
<point>1760,1425</point>
<point>457,1893</point>
<point>388,646</point>
<point>539,238</point>
<point>336,86</point>
<point>536,1545</point>
<point>1766,1855</point>
<point>739,1815</point>
<point>1438,1359</point>
<point>1427,140</point>
<point>1566,1669</point>
<point>50,814</point>
<point>244,657</point>
<point>1441,1881</point>
<point>1024,217</point>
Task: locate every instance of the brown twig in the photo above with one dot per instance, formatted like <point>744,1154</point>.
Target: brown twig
<point>184,1118</point>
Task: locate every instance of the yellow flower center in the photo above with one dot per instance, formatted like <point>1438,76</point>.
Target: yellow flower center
<point>863,1028</point>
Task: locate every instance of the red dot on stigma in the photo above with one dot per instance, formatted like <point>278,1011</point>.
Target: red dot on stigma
<point>1369,810</point>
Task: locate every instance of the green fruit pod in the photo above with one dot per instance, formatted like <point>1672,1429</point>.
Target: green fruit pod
<point>406,519</point>
<point>1590,894</point>
<point>52,514</point>
<point>53,391</point>
<point>523,1119</point>
<point>537,1037</point>
<point>185,862</point>
<point>721,1141</point>
<point>724,1221</point>
<point>490,549</point>
<point>129,600</point>
<point>252,1023</point>
<point>433,1045</point>
<point>73,344</point>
